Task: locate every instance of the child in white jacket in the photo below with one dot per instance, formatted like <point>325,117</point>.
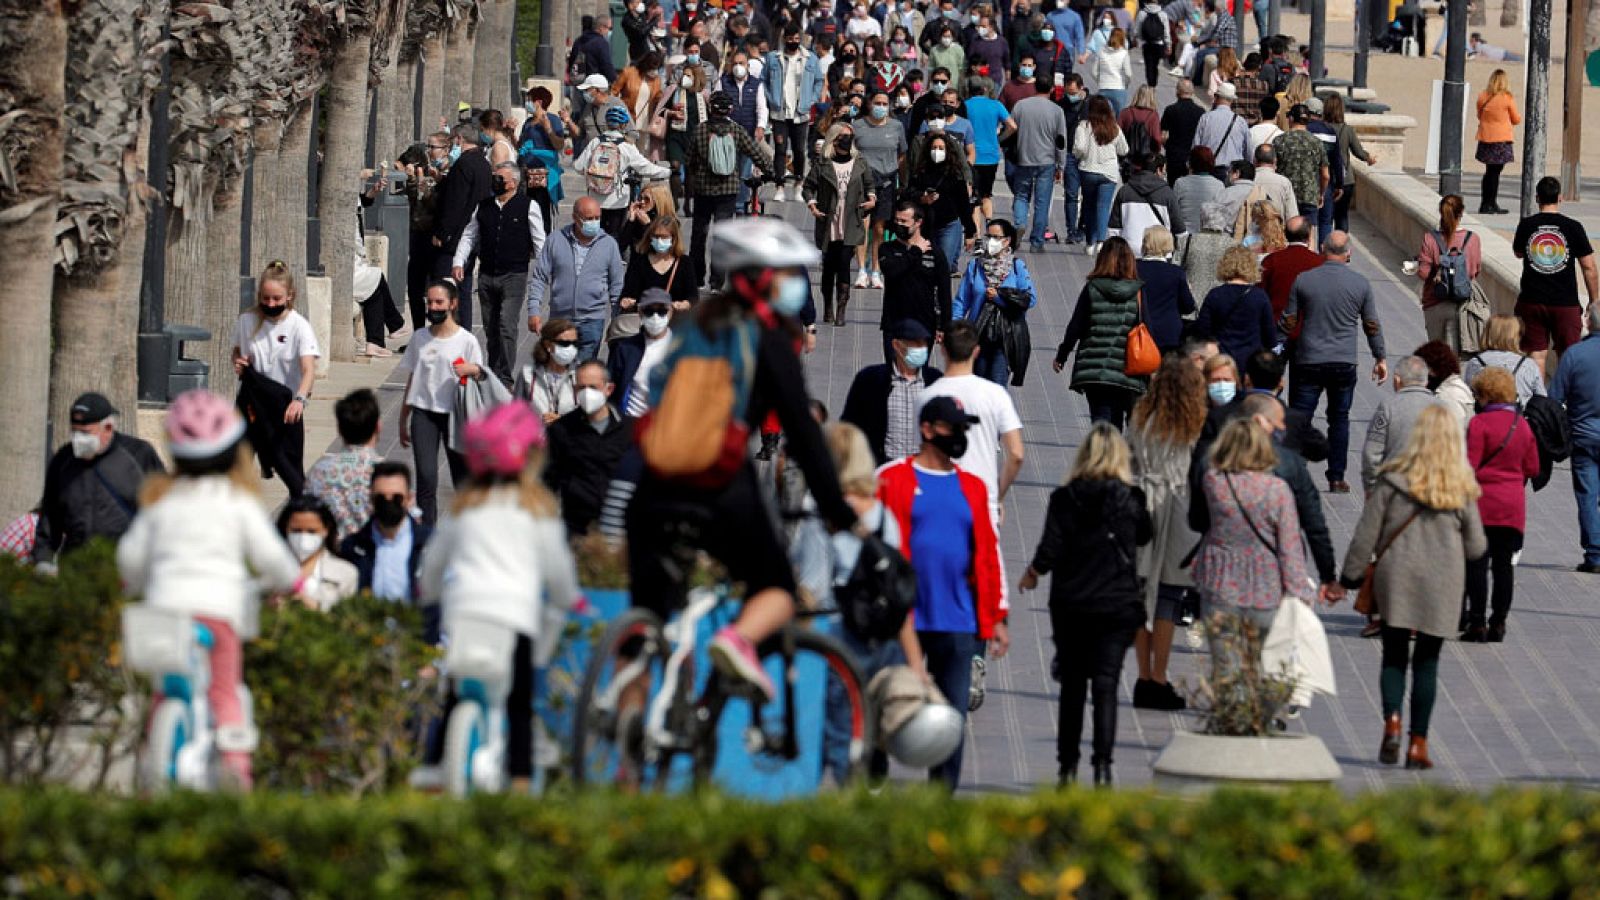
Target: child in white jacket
<point>196,541</point>
<point>504,557</point>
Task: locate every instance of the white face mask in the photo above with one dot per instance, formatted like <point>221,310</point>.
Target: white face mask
<point>564,355</point>
<point>739,71</point>
<point>936,154</point>
<point>305,544</point>
<point>638,9</point>
<point>654,325</point>
<point>994,245</point>
<point>946,41</point>
<point>688,81</point>
<point>591,400</point>
<point>85,445</point>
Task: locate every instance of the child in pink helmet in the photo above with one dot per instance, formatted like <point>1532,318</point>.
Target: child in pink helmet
<point>198,536</point>
<point>503,556</point>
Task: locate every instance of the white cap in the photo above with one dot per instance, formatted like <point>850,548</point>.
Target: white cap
<point>1227,91</point>
<point>595,83</point>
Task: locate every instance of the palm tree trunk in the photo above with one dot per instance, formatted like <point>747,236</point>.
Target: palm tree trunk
<point>220,311</point>
<point>186,261</point>
<point>457,69</point>
<point>433,92</point>
<point>1511,14</point>
<point>33,55</point>
<point>390,94</point>
<point>287,205</point>
<point>482,55</point>
<point>265,240</point>
<point>405,95</point>
<point>341,161</point>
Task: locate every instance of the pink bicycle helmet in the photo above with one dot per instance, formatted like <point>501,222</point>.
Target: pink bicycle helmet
<point>202,426</point>
<point>497,442</point>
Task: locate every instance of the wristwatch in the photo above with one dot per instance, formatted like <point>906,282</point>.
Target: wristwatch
<point>301,399</point>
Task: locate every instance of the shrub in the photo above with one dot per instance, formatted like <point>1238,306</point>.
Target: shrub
<point>1239,698</point>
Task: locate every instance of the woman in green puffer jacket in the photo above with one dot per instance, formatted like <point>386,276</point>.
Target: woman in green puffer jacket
<point>1107,310</point>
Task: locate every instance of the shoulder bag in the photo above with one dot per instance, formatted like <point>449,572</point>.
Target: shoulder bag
<point>1142,356</point>
<point>1516,419</point>
<point>1366,598</point>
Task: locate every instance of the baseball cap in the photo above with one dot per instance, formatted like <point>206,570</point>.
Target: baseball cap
<point>655,297</point>
<point>1314,105</point>
<point>91,408</point>
<point>595,83</point>
<point>947,410</point>
<point>1227,91</point>
<point>909,330</point>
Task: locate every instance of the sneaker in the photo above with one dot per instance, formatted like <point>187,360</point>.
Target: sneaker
<point>1142,690</point>
<point>975,693</point>
<point>863,279</point>
<point>877,280</point>
<point>1373,628</point>
<point>736,658</point>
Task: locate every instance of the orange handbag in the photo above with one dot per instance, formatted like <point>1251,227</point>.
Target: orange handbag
<point>1143,356</point>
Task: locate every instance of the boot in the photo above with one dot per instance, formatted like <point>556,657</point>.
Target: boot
<point>1102,774</point>
<point>1389,750</point>
<point>1417,753</point>
<point>841,303</point>
<point>827,307</point>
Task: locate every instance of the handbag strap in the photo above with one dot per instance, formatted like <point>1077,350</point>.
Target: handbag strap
<point>1228,477</point>
<point>1516,419</point>
<point>673,273</point>
<point>1386,544</point>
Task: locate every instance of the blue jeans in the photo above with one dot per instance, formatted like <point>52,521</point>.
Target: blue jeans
<point>590,333</point>
<point>1070,185</point>
<point>992,365</point>
<point>746,166</point>
<point>1099,193</point>
<point>1262,10</point>
<point>949,657</point>
<point>1305,391</point>
<point>1325,215</point>
<point>1117,97</point>
<point>949,240</point>
<point>872,657</point>
<point>1032,185</point>
<point>1586,490</point>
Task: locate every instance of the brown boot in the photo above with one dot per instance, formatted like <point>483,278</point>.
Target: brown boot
<point>827,307</point>
<point>840,304</point>
<point>1417,753</point>
<point>1389,750</point>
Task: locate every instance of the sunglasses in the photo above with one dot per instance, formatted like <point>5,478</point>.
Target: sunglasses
<point>393,498</point>
<point>565,343</point>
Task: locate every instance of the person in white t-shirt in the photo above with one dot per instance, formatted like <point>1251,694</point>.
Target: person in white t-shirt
<point>435,361</point>
<point>276,342</point>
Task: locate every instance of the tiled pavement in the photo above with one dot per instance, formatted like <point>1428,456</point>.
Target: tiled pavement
<point>1525,711</point>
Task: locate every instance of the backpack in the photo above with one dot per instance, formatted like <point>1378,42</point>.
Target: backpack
<point>695,433</point>
<point>722,153</point>
<point>1451,280</point>
<point>1278,73</point>
<point>1152,31</point>
<point>1139,139</point>
<point>605,166</point>
<point>881,590</point>
<point>1548,420</point>
<point>577,66</point>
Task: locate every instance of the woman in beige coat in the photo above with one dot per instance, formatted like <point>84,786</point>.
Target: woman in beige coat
<point>1422,519</point>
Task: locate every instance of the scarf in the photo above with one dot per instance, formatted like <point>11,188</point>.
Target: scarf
<point>997,268</point>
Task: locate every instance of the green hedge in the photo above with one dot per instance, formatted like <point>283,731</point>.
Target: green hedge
<point>903,844</point>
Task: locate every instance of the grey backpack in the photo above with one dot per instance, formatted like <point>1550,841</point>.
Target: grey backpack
<point>1451,280</point>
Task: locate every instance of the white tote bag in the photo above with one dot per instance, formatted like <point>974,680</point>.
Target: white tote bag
<point>1297,641</point>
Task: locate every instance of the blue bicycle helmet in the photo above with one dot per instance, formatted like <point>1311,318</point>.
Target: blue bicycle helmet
<point>616,116</point>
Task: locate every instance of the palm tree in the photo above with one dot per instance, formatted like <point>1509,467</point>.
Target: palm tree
<point>33,56</point>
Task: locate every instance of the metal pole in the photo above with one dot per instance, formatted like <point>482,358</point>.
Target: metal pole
<point>247,287</point>
<point>1572,98</point>
<point>1238,25</point>
<point>1537,105</point>
<point>153,289</point>
<point>1319,37</point>
<point>1273,22</point>
<point>313,172</point>
<point>417,126</point>
<point>1358,70</point>
<point>544,57</point>
<point>1454,99</point>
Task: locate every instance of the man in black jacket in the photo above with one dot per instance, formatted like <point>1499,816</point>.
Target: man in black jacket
<point>884,399</point>
<point>507,233</point>
<point>586,447</point>
<point>91,487</point>
<point>590,55</point>
<point>468,183</point>
<point>387,550</point>
<point>916,278</point>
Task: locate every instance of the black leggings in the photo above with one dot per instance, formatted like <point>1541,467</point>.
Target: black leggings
<point>1491,184</point>
<point>1424,663</point>
<point>1091,653</point>
<point>1341,207</point>
<point>378,312</point>
<point>1503,546</point>
<point>1109,404</point>
<point>1153,54</point>
<point>835,269</point>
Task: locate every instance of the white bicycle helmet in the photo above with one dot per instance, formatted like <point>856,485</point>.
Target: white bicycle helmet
<point>922,729</point>
<point>760,243</point>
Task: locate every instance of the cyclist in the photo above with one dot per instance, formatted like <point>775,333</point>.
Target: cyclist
<point>188,548</point>
<point>766,289</point>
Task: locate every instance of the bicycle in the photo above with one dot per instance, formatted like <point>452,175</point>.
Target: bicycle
<point>183,745</point>
<point>622,742</point>
<point>758,207</point>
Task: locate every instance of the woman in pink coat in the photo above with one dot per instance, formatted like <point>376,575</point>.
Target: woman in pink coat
<point>1504,455</point>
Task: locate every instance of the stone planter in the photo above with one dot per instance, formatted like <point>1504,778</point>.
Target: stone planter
<point>1197,762</point>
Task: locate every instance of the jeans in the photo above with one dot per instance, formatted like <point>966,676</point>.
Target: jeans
<point>1032,185</point>
<point>442,266</point>
<point>992,364</point>
<point>430,431</point>
<point>1099,194</point>
<point>1504,543</point>
<point>746,166</point>
<point>949,658</point>
<point>1424,665</point>
<point>1586,490</point>
<point>789,141</point>
<point>1109,404</point>
<point>1325,215</point>
<point>500,297</point>
<point>872,657</point>
<point>706,211</point>
<point>1262,10</point>
<point>1341,207</point>
<point>1117,97</point>
<point>949,240</point>
<point>590,333</point>
<point>1153,54</point>
<point>1090,653</point>
<point>1070,186</point>
<point>1339,380</point>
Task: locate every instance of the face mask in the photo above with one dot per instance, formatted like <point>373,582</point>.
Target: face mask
<point>655,324</point>
<point>1047,35</point>
<point>994,245</point>
<point>692,59</point>
<point>388,511</point>
<point>1105,27</point>
<point>691,7</point>
<point>792,295</point>
<point>985,33</point>
<point>916,357</point>
<point>85,445</point>
<point>853,111</point>
<point>638,9</point>
<point>484,139</point>
<point>739,72</point>
<point>528,106</point>
<point>1221,392</point>
<point>936,125</point>
<point>841,149</point>
<point>455,152</point>
<point>939,86</point>
<point>589,228</point>
<point>273,311</point>
<point>794,47</point>
<point>660,244</point>
<point>591,400</point>
<point>305,544</point>
<point>1074,98</point>
<point>688,81</point>
<point>946,41</point>
<point>902,102</point>
<point>438,316</point>
<point>879,110</point>
<point>652,75</point>
<point>936,154</point>
<point>952,445</point>
<point>1025,71</point>
<point>973,18</point>
<point>564,355</point>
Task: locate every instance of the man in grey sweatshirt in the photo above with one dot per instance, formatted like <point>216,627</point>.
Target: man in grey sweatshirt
<point>578,277</point>
<point>1041,154</point>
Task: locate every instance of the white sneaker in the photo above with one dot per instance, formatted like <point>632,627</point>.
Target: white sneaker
<point>877,280</point>
<point>1091,249</point>
<point>1175,71</point>
<point>863,279</point>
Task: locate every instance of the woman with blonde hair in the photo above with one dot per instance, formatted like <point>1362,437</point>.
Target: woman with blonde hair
<point>1166,425</point>
<point>1419,529</point>
<point>1237,312</point>
<point>1144,110</point>
<point>275,358</point>
<point>1440,313</point>
<point>1297,91</point>
<point>1502,349</point>
<point>506,555</point>
<point>1221,374</point>
<point>1093,528</point>
<point>1266,229</point>
<point>1497,122</point>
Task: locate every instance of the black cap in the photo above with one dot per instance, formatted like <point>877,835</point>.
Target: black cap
<point>91,408</point>
<point>721,103</point>
<point>909,330</point>
<point>947,410</point>
<point>654,298</point>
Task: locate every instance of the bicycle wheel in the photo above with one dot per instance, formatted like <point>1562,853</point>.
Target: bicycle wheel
<point>169,731</point>
<point>624,672</point>
<point>463,735</point>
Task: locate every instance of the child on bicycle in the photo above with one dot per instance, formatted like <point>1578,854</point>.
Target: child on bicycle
<point>193,546</point>
<point>504,557</point>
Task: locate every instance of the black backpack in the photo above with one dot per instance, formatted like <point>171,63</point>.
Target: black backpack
<point>1151,31</point>
<point>880,593</point>
<point>1551,432</point>
<point>1140,141</point>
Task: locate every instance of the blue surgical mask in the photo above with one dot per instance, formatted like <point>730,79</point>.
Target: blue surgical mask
<point>528,106</point>
<point>879,111</point>
<point>455,152</point>
<point>589,228</point>
<point>1047,35</point>
<point>1025,71</point>
<point>484,140</point>
<point>692,59</point>
<point>661,245</point>
<point>793,292</point>
<point>916,357</point>
<point>1221,392</point>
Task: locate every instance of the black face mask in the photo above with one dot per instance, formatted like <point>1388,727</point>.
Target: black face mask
<point>501,185</point>
<point>388,511</point>
<point>794,47</point>
<point>841,150</point>
<point>272,312</point>
<point>952,445</point>
<point>438,316</point>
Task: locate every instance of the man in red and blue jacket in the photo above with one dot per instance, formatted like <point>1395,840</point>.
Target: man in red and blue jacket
<point>943,514</point>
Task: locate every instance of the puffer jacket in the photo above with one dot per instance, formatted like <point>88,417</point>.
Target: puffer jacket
<point>1107,311</point>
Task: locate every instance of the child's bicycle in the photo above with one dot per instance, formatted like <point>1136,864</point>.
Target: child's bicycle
<point>639,709</point>
<point>183,745</point>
